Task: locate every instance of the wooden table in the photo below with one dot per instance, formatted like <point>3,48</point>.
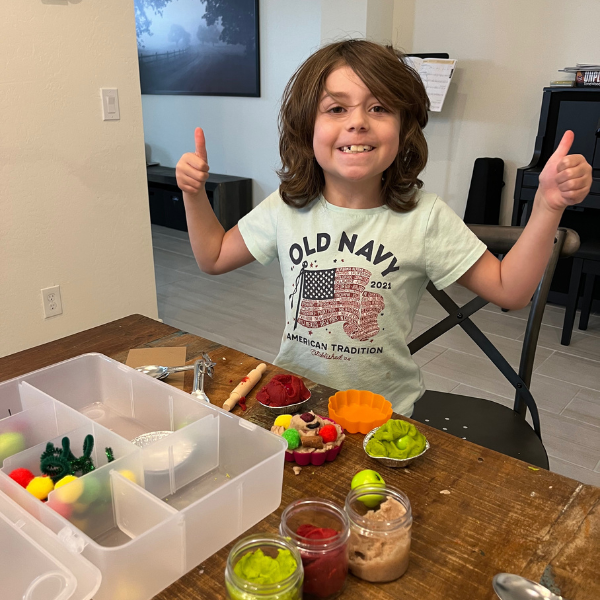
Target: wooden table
<point>476,512</point>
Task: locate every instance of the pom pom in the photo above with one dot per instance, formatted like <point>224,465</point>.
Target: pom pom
<point>292,437</point>
<point>22,476</point>
<point>66,479</point>
<point>91,491</point>
<point>283,421</point>
<point>328,433</point>
<point>64,510</point>
<point>11,443</point>
<point>40,487</point>
<point>128,475</point>
<point>71,494</point>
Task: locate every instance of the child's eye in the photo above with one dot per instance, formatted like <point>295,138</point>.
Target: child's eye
<point>336,110</point>
<point>379,108</point>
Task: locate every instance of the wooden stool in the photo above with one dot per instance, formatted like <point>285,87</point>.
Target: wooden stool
<point>586,261</point>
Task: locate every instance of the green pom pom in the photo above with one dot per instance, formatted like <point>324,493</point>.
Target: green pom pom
<point>11,443</point>
<point>292,437</point>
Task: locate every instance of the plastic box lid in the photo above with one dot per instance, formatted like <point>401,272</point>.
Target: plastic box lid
<point>35,565</point>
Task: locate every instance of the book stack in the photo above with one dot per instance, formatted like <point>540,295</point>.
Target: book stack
<point>586,74</point>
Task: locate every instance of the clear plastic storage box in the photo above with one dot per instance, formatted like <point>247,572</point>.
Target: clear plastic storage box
<point>131,527</point>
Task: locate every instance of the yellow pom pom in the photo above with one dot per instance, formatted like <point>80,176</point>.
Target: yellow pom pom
<point>66,479</point>
<point>40,487</point>
<point>128,475</point>
<point>70,494</point>
<point>283,421</point>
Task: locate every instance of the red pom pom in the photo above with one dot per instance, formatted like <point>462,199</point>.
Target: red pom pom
<point>22,476</point>
<point>328,433</point>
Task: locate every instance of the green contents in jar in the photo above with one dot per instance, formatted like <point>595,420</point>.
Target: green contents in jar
<point>257,567</point>
<point>396,439</point>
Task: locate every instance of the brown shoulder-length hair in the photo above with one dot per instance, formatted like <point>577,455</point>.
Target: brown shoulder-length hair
<point>391,81</point>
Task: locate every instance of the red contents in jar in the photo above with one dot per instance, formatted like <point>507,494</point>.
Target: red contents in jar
<point>283,390</point>
<point>315,533</point>
<point>324,573</point>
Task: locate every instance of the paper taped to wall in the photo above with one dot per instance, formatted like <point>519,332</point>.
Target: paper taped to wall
<point>436,74</point>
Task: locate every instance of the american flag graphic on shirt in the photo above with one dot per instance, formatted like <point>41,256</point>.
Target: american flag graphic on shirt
<point>331,295</point>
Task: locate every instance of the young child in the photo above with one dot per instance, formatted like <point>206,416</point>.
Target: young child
<point>356,237</point>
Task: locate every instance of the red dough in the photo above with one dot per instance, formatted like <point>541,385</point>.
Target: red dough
<point>22,476</point>
<point>328,433</point>
<point>283,390</point>
<point>315,533</point>
<point>325,569</point>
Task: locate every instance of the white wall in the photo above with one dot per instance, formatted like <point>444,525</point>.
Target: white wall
<point>241,133</point>
<point>73,194</point>
<point>507,52</point>
<point>370,19</point>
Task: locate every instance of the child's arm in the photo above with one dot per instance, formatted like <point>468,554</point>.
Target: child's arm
<point>215,250</point>
<point>565,180</point>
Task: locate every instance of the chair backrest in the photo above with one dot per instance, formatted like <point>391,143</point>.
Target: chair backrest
<point>500,240</point>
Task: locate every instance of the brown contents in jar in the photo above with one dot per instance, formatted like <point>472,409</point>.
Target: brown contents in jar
<point>375,556</point>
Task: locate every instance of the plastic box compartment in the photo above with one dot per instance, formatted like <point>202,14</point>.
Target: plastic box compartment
<point>144,520</point>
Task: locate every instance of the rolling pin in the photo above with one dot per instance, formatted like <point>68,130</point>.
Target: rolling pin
<point>244,387</point>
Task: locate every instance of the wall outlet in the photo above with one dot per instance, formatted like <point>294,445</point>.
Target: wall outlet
<point>52,301</point>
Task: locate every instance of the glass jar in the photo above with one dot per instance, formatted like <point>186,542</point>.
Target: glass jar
<point>239,588</point>
<point>380,530</point>
<point>325,559</point>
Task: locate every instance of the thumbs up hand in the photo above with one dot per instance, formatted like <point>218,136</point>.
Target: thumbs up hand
<point>192,169</point>
<point>566,178</point>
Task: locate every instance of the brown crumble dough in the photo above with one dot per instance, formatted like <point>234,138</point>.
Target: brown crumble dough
<point>377,557</point>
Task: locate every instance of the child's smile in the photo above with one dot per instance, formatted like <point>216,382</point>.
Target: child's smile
<point>356,149</point>
<point>356,138</point>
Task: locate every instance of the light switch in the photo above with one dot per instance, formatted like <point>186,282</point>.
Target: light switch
<point>110,104</point>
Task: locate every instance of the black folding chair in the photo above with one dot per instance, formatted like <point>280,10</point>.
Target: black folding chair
<point>484,422</point>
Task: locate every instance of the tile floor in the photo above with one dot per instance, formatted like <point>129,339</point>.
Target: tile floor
<point>245,310</point>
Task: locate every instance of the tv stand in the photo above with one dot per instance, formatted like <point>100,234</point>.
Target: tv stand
<point>230,197</point>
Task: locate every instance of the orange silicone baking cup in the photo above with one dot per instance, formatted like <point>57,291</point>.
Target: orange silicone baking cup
<point>359,411</point>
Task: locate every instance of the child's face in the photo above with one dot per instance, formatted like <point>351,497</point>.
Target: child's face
<point>352,116</point>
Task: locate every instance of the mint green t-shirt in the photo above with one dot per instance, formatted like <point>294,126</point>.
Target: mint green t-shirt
<point>353,279</point>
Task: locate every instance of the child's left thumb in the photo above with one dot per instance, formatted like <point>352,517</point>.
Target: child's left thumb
<point>565,145</point>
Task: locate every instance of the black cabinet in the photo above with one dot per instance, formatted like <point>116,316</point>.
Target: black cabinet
<point>229,196</point>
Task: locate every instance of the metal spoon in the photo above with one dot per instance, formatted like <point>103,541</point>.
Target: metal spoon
<point>203,366</point>
<point>160,372</point>
<point>515,587</point>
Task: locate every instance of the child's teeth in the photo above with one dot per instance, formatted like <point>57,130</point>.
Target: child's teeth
<point>358,148</point>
